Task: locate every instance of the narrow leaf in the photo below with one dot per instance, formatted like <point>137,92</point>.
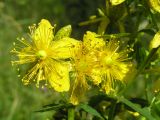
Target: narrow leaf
<point>143,111</point>
<point>90,110</point>
<point>148,31</point>
<point>50,108</point>
<point>103,26</point>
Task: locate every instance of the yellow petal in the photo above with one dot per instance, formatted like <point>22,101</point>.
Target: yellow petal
<point>116,2</point>
<point>91,41</point>
<point>65,48</point>
<point>155,5</point>
<point>156,41</point>
<point>59,78</point>
<point>43,35</point>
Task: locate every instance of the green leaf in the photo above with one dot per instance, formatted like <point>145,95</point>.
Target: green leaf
<point>56,107</point>
<point>101,13</point>
<point>155,107</point>
<point>103,26</point>
<point>49,105</point>
<point>90,110</point>
<point>63,32</point>
<point>148,31</point>
<point>147,60</point>
<point>143,111</point>
<point>53,106</point>
<point>140,53</point>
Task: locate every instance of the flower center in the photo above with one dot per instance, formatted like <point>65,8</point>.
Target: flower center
<point>108,60</point>
<point>41,54</point>
<point>81,65</point>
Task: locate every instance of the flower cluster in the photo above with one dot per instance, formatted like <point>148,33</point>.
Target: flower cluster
<point>66,64</point>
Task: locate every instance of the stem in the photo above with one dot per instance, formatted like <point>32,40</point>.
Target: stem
<point>112,110</point>
<point>147,60</point>
<point>146,88</point>
<point>64,96</point>
<point>71,113</point>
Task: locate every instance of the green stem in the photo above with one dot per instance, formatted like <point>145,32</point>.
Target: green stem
<point>71,113</point>
<point>143,112</point>
<point>147,60</point>
<point>112,110</point>
<point>154,21</point>
<point>146,87</point>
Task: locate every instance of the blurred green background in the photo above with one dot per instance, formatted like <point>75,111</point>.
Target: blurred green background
<point>17,102</point>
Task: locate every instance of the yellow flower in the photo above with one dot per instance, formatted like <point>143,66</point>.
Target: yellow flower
<point>116,2</point>
<point>81,67</point>
<point>155,41</point>
<point>60,79</point>
<point>46,56</point>
<point>84,62</point>
<point>114,65</point>
<point>93,44</point>
<point>103,63</point>
<point>155,5</point>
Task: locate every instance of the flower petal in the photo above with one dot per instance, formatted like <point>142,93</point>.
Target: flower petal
<point>59,79</point>
<point>116,2</point>
<point>65,48</point>
<point>155,41</point>
<point>155,5</point>
<point>43,35</point>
